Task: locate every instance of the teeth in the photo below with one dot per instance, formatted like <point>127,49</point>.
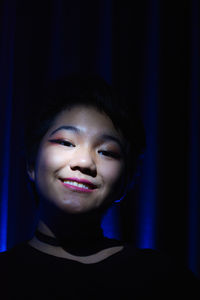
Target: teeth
<point>76,184</point>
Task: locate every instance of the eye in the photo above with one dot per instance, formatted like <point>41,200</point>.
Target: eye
<point>62,142</point>
<point>110,154</point>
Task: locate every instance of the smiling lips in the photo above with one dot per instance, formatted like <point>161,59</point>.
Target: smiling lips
<point>81,185</point>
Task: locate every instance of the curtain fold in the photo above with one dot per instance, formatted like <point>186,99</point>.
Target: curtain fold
<point>6,90</point>
<point>194,145</point>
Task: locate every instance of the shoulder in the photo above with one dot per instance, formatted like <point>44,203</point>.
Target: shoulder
<point>14,250</point>
<point>19,256</point>
<point>155,260</point>
<point>149,262</point>
<point>12,255</point>
<point>11,270</point>
<point>158,269</point>
<point>20,267</point>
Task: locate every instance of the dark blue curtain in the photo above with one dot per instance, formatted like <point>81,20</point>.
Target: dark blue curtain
<point>149,50</point>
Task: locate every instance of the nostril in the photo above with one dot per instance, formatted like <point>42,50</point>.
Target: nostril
<point>88,171</point>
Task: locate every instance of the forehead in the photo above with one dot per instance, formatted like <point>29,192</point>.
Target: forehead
<point>89,119</point>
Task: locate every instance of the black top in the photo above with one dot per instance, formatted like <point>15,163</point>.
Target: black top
<point>27,273</point>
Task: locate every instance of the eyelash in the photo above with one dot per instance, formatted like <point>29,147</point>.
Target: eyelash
<point>63,143</point>
<point>104,152</point>
<point>110,154</point>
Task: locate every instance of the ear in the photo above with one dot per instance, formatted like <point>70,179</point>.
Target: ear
<point>31,172</point>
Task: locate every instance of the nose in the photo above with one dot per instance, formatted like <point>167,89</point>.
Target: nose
<point>84,162</point>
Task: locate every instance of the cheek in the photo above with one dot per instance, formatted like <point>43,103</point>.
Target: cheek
<point>50,159</point>
<point>112,172</point>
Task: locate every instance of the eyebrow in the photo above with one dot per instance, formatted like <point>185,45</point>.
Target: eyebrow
<point>105,137</point>
<point>67,127</point>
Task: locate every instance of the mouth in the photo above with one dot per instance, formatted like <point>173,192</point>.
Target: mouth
<point>80,185</point>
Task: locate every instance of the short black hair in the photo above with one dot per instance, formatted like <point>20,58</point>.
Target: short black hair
<point>89,90</point>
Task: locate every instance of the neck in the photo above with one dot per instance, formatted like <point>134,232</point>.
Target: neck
<point>69,227</point>
<point>70,230</point>
<point>79,236</point>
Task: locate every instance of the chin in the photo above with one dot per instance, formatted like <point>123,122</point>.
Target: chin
<point>74,207</point>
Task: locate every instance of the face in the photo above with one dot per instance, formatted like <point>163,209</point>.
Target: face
<point>80,161</point>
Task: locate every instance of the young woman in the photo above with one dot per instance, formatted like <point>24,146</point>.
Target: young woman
<point>82,150</point>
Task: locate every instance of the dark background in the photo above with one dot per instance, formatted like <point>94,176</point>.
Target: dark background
<point>149,50</point>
